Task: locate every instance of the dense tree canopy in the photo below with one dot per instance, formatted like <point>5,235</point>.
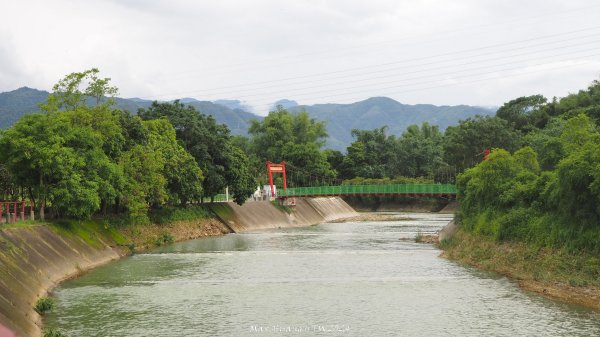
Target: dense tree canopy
<point>81,156</point>
<point>546,193</point>
<point>295,139</point>
<point>223,164</point>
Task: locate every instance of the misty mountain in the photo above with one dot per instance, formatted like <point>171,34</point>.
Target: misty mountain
<point>17,103</point>
<point>376,112</point>
<point>285,103</point>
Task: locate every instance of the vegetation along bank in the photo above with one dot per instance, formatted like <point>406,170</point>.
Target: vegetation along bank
<point>532,212</point>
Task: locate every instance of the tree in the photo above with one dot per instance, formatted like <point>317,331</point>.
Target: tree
<point>209,143</point>
<point>372,155</point>
<point>465,143</point>
<point>546,142</point>
<point>68,95</point>
<point>59,158</point>
<point>574,188</point>
<point>145,184</point>
<point>420,151</point>
<point>524,113</point>
<point>183,175</point>
<point>6,182</point>
<point>296,139</point>
<point>239,175</point>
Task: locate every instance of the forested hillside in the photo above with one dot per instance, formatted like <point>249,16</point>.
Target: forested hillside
<point>15,104</point>
<point>376,112</point>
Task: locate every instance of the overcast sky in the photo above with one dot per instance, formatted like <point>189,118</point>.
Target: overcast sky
<point>442,52</point>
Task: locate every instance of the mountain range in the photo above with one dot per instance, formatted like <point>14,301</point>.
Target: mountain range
<point>340,119</point>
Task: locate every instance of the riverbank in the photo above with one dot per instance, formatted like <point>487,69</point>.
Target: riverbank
<point>549,272</point>
<point>34,258</point>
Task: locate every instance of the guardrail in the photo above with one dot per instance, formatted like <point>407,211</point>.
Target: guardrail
<point>445,190</point>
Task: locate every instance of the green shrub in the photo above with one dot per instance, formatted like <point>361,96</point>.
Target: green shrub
<point>419,237</point>
<point>281,207</point>
<point>44,305</point>
<point>52,332</point>
<point>168,215</point>
<point>164,239</point>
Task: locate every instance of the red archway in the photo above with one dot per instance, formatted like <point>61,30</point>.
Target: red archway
<point>15,205</point>
<point>276,168</point>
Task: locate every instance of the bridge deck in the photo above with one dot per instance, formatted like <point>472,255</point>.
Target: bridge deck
<point>435,190</point>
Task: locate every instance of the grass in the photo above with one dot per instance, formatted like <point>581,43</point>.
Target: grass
<point>523,261</point>
<point>419,237</point>
<point>52,332</point>
<point>281,207</point>
<point>168,215</point>
<point>164,239</point>
<point>93,232</point>
<point>22,224</point>
<point>44,305</point>
<point>223,211</point>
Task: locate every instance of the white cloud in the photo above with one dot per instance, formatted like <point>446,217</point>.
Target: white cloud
<point>259,51</point>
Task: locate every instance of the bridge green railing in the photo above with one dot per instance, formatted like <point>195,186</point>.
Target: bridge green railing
<point>446,190</point>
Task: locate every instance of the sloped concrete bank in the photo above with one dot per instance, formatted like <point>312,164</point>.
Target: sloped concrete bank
<point>35,259</point>
<point>264,215</point>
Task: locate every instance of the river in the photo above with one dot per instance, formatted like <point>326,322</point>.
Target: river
<point>338,279</point>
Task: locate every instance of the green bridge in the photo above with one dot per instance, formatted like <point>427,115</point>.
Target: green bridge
<point>409,190</point>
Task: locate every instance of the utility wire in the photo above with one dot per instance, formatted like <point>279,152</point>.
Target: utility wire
<point>388,63</point>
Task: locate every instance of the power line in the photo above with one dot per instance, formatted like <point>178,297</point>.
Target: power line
<point>392,63</point>
<point>269,62</point>
<point>268,105</point>
<point>298,80</point>
<point>426,70</point>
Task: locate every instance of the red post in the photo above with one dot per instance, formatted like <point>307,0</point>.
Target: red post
<point>1,207</point>
<point>270,178</point>
<point>486,154</point>
<point>284,177</point>
<point>15,212</point>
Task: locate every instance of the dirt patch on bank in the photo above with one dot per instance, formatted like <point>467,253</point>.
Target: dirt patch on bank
<point>148,236</point>
<point>586,296</point>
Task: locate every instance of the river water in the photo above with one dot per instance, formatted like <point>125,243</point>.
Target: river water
<point>339,279</point>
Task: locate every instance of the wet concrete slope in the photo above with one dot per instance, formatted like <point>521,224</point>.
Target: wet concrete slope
<point>33,260</point>
<point>263,214</point>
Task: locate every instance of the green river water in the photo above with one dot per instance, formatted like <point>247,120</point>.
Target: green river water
<point>338,279</point>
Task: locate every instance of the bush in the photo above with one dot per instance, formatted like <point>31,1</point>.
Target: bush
<point>44,305</point>
<point>168,215</point>
<point>164,239</point>
<point>51,332</point>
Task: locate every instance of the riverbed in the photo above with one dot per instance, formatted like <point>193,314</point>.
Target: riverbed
<point>339,279</point>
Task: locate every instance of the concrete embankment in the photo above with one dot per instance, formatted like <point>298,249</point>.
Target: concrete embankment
<point>264,215</point>
<point>34,259</point>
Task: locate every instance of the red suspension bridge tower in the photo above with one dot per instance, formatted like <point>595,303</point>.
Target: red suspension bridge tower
<point>276,168</point>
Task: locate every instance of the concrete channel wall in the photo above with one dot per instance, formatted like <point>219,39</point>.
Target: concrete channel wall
<point>35,259</point>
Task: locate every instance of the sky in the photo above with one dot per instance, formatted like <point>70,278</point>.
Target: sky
<point>442,52</point>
